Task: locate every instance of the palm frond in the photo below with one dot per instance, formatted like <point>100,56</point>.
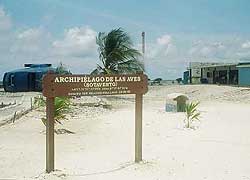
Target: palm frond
<point>116,53</point>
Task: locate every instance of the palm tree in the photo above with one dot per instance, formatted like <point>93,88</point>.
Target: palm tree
<point>117,54</point>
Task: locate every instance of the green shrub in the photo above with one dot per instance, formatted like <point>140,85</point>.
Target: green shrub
<point>39,101</point>
<point>192,114</point>
<point>62,105</point>
<point>61,69</point>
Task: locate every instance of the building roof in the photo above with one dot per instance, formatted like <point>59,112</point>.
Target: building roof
<point>243,66</point>
<point>221,65</point>
<point>194,65</point>
<point>213,65</point>
<point>201,64</point>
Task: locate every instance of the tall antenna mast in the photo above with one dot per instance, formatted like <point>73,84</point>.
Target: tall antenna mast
<point>143,44</point>
<point>143,49</point>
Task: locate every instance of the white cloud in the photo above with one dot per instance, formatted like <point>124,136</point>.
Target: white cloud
<point>6,41</point>
<point>5,21</point>
<point>77,42</point>
<point>206,49</point>
<point>77,49</point>
<point>32,34</point>
<point>163,47</point>
<point>163,58</point>
<point>32,43</point>
<point>246,45</point>
<point>164,40</point>
<point>6,36</point>
<point>173,53</point>
<point>218,45</point>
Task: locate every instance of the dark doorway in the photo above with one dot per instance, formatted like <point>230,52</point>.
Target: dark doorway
<point>233,77</point>
<point>223,77</point>
<point>215,77</point>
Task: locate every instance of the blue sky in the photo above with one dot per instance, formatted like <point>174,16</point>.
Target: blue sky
<point>177,32</point>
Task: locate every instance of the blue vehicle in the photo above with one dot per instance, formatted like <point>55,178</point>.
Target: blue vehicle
<point>26,79</point>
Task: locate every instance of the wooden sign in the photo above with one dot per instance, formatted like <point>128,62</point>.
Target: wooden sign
<point>87,85</point>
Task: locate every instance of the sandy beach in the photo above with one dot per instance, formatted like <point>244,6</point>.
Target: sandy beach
<point>100,144</point>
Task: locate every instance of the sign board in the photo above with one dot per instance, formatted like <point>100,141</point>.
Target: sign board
<point>86,85</point>
<point>196,72</point>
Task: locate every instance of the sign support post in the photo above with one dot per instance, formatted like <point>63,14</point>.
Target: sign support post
<point>50,159</point>
<point>138,128</point>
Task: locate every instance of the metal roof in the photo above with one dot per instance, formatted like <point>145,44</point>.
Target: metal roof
<point>243,66</point>
<point>221,65</point>
<point>214,65</point>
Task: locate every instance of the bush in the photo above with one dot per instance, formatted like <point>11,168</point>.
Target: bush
<point>61,69</point>
<point>62,105</point>
<point>192,114</point>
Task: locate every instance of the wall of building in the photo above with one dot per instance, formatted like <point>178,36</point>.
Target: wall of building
<point>195,75</point>
<point>244,76</point>
<point>207,73</point>
<point>210,73</point>
<point>196,80</point>
<point>214,73</point>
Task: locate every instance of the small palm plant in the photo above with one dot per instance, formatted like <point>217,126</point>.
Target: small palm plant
<point>191,114</point>
<point>61,107</point>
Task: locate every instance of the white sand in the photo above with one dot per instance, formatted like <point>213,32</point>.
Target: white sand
<point>103,144</point>
<point>19,102</point>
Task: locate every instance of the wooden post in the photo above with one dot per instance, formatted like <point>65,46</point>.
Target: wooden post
<point>138,128</point>
<point>14,117</point>
<point>50,134</point>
